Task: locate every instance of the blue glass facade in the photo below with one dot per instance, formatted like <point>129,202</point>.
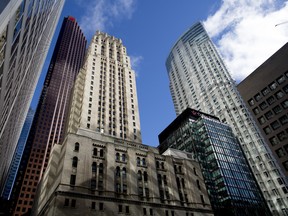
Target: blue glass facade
<point>231,185</point>
<point>18,155</point>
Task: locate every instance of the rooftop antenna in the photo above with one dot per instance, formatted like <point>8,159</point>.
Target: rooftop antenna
<point>281,23</point>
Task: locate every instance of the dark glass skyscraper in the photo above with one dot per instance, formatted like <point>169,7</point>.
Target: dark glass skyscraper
<point>48,125</point>
<point>231,185</point>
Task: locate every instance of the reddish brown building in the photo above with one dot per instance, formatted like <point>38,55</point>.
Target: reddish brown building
<point>48,125</point>
<point>266,93</point>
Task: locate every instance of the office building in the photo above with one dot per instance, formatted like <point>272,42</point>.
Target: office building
<point>265,92</point>
<point>26,30</point>
<point>199,79</point>
<point>105,97</point>
<point>18,155</point>
<point>101,167</point>
<point>97,174</point>
<point>51,113</point>
<point>231,185</point>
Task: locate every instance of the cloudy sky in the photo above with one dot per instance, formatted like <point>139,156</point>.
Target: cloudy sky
<point>244,32</point>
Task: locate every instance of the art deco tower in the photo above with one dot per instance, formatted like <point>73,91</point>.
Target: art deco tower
<point>105,98</point>
<point>50,117</point>
<point>199,79</point>
<point>26,30</point>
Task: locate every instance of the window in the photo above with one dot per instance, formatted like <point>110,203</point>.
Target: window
<point>265,91</point>
<point>143,161</point>
<point>274,141</point>
<point>66,202</point>
<point>76,147</point>
<point>257,97</point>
<point>127,210</point>
<point>271,100</point>
<point>101,206</point>
<point>280,79</point>
<point>268,115</point>
<point>202,199</point>
<point>283,119</point>
<point>284,104</point>
<point>138,161</point>
<point>117,156</point>
<point>273,86</point>
<point>261,120</point>
<point>256,110</point>
<point>285,89</point>
<point>120,208</point>
<point>251,102</point>
<point>279,94</point>
<point>263,105</point>
<point>93,205</point>
<point>139,175</point>
<point>157,165</point>
<point>72,180</point>
<point>282,136</point>
<point>101,153</point>
<point>144,211</point>
<point>74,162</point>
<point>123,157</point>
<point>94,167</point>
<point>267,130</point>
<point>277,109</point>
<point>95,151</point>
<point>145,176</point>
<point>275,125</point>
<point>280,152</point>
<point>93,184</point>
<point>73,203</point>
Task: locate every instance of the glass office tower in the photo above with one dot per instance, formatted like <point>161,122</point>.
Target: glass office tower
<point>199,79</point>
<point>231,185</point>
<point>26,30</point>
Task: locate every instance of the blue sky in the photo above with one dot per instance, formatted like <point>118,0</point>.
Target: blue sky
<point>149,29</point>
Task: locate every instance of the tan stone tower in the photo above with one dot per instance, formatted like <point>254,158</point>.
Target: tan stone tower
<point>105,98</point>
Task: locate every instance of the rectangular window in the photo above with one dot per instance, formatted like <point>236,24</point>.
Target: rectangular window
<point>277,109</point>
<point>263,105</point>
<point>265,91</point>
<point>279,94</point>
<point>66,202</point>
<point>144,211</point>
<point>274,141</point>
<point>280,79</point>
<point>273,86</point>
<point>261,120</point>
<point>256,110</point>
<point>284,104</point>
<point>257,97</point>
<point>271,100</point>
<point>72,179</point>
<point>275,125</point>
<point>101,206</point>
<point>282,136</point>
<point>73,203</point>
<point>283,119</point>
<point>93,205</point>
<point>127,210</point>
<point>120,208</point>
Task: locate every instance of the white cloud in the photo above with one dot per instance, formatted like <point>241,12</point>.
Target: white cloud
<point>245,32</point>
<point>135,63</point>
<point>99,14</point>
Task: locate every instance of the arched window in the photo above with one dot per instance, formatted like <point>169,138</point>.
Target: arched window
<point>145,176</point>
<point>74,162</point>
<point>95,151</point>
<point>143,161</point>
<point>101,153</point>
<point>198,184</point>
<point>157,165</point>
<point>123,157</point>
<point>76,147</point>
<point>94,167</point>
<point>124,172</point>
<point>194,169</point>
<point>117,156</point>
<point>162,165</point>
<point>183,182</point>
<point>138,161</point>
<point>117,173</point>
<point>139,174</point>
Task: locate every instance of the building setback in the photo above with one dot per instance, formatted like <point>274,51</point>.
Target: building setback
<point>26,30</point>
<point>93,173</point>
<point>199,79</point>
<point>231,185</point>
<point>265,92</point>
<point>51,114</point>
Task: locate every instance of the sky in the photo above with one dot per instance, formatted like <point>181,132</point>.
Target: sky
<point>245,32</point>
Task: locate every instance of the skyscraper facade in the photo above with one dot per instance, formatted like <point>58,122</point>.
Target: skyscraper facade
<point>199,79</point>
<point>51,113</point>
<point>18,155</point>
<point>26,30</point>
<point>105,97</point>
<point>265,92</point>
<point>231,185</point>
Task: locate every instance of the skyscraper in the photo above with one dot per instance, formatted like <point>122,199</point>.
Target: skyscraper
<point>52,110</point>
<point>265,92</point>
<point>231,185</point>
<point>105,98</point>
<point>199,79</point>
<point>101,168</point>
<point>26,30</point>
